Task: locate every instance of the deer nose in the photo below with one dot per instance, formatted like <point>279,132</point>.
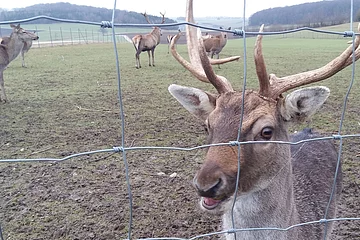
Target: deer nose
<point>207,189</point>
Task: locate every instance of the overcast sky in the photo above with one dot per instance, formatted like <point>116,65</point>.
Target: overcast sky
<point>173,8</point>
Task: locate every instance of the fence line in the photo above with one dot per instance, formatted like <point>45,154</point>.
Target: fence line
<point>123,149</point>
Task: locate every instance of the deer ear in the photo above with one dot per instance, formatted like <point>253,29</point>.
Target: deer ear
<point>196,101</point>
<point>302,103</point>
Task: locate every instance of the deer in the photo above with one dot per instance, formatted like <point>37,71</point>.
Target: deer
<point>26,47</point>
<point>169,38</point>
<point>147,42</point>
<point>266,183</point>
<point>215,43</point>
<point>11,50</point>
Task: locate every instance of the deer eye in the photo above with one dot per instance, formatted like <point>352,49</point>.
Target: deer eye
<point>266,133</point>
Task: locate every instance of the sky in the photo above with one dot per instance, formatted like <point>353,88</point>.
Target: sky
<point>172,8</point>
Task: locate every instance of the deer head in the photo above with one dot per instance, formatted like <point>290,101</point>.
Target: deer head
<point>155,28</point>
<point>22,33</point>
<point>266,114</point>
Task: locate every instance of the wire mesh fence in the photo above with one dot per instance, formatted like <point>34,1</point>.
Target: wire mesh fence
<point>84,36</point>
<point>65,35</point>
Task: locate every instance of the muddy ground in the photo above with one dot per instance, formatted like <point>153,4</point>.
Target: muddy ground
<point>62,110</point>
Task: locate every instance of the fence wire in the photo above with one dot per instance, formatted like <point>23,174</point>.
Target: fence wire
<point>123,149</point>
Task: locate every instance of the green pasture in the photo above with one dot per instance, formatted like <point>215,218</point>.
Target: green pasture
<point>89,68</point>
<point>66,102</point>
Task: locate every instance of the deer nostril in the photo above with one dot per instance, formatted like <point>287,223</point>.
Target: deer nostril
<point>208,190</point>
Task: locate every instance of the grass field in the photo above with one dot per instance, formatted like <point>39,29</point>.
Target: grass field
<point>66,102</point>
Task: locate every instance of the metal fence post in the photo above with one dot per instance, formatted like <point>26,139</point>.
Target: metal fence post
<point>72,43</point>
<point>50,37</point>
<point>62,39</point>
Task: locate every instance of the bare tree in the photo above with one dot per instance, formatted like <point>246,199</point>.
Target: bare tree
<point>147,42</point>
<point>270,184</point>
<point>11,50</point>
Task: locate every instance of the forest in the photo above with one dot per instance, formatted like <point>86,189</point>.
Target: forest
<point>77,12</point>
<point>316,14</point>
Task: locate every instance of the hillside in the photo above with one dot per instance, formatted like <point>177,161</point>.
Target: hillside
<point>316,14</point>
<point>77,12</point>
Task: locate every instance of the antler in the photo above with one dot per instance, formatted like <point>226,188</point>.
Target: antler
<point>200,65</point>
<point>272,86</point>
<point>163,17</point>
<point>260,65</point>
<point>146,17</point>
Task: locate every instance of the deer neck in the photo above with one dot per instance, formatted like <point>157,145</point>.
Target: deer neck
<point>272,205</point>
<point>223,40</point>
<point>156,34</point>
<point>14,47</point>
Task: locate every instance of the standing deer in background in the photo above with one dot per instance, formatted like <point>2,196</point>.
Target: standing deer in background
<point>279,185</point>
<point>11,50</point>
<point>169,38</point>
<point>215,43</point>
<point>147,42</point>
<point>26,46</point>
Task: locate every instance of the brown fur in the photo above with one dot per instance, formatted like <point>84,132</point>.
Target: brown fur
<point>258,181</point>
<point>168,39</point>
<point>11,50</point>
<point>215,44</point>
<point>25,48</point>
<point>147,42</point>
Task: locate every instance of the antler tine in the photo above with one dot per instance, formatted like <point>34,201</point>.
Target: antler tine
<point>214,61</point>
<point>190,67</point>
<point>280,85</point>
<point>146,17</point>
<point>260,65</point>
<point>199,63</point>
<point>163,17</point>
<point>221,84</point>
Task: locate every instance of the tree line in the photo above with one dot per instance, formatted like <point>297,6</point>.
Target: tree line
<point>77,12</point>
<point>316,14</point>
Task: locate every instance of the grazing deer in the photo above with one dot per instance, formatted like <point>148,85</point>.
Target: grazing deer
<point>215,43</point>
<point>278,185</point>
<point>147,42</point>
<point>26,47</point>
<point>11,50</point>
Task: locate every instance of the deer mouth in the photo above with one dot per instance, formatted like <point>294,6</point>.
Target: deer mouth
<point>211,203</point>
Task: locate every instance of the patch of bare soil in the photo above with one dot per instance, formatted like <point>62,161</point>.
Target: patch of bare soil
<point>87,197</point>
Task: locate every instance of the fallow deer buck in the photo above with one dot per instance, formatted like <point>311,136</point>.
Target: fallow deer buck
<point>26,47</point>
<point>279,185</point>
<point>11,50</point>
<point>147,42</point>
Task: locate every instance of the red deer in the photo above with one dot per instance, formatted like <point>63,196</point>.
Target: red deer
<point>26,47</point>
<point>276,185</point>
<point>11,50</point>
<point>147,42</point>
<point>215,43</point>
<point>168,39</point>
